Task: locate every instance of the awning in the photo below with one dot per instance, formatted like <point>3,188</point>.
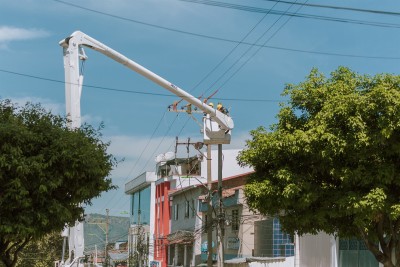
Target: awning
<point>181,237</point>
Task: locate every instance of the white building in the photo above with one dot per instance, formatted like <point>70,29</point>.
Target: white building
<point>141,189</point>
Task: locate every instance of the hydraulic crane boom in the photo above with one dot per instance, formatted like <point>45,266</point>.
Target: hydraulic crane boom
<point>216,128</point>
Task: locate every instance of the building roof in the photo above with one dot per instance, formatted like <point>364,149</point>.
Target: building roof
<point>228,192</point>
<point>140,182</point>
<point>176,191</point>
<point>181,237</point>
<point>255,259</point>
<point>233,177</point>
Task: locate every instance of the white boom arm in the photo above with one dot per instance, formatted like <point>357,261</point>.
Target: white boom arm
<point>217,125</point>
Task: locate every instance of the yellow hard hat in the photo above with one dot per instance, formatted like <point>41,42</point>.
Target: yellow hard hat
<point>211,104</point>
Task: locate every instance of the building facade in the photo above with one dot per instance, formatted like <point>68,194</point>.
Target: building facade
<point>238,225</point>
<point>185,225</point>
<point>168,211</point>
<point>172,174</point>
<point>328,250</point>
<point>142,201</point>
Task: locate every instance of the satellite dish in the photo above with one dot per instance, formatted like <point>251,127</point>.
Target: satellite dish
<point>169,155</point>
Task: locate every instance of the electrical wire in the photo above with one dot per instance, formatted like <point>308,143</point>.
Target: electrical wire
<point>154,151</point>
<point>159,144</point>
<point>144,167</point>
<point>258,49</point>
<point>232,65</point>
<point>298,15</point>
<point>126,90</point>
<point>243,39</point>
<point>231,51</point>
<point>211,72</point>
<point>184,193</point>
<point>380,12</point>
<point>130,91</point>
<point>225,39</point>
<point>249,48</point>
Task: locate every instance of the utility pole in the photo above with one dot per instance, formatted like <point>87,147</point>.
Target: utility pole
<point>106,248</point>
<point>209,222</point>
<point>221,212</point>
<point>139,244</point>
<point>95,255</point>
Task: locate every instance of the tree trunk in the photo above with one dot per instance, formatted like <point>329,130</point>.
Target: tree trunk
<point>9,253</point>
<point>386,261</point>
<point>8,262</point>
<point>389,264</point>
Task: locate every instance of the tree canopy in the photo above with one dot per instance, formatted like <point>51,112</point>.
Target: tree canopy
<point>47,171</point>
<point>332,161</point>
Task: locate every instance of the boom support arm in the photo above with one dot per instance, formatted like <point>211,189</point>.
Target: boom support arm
<point>218,133</point>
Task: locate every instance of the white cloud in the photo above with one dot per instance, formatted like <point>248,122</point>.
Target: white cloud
<point>133,146</point>
<point>10,34</point>
<point>48,104</point>
<point>92,120</point>
<point>138,153</point>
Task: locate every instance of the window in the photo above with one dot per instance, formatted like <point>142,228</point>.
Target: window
<point>187,209</point>
<point>193,208</point>
<point>235,220</point>
<point>176,209</point>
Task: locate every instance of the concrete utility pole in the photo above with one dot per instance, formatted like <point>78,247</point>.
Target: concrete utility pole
<point>106,248</point>
<point>95,255</point>
<point>209,209</point>
<point>139,244</point>
<point>221,212</point>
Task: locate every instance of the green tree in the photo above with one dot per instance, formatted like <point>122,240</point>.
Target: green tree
<point>46,172</point>
<point>42,252</point>
<point>332,161</point>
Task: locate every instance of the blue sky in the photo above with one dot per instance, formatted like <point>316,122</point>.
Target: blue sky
<point>199,47</point>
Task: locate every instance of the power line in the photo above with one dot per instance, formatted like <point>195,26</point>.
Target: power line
<point>259,48</point>
<point>131,91</point>
<point>195,87</point>
<point>243,39</point>
<point>220,63</point>
<point>147,162</point>
<point>209,73</point>
<point>380,12</point>
<point>136,163</point>
<point>225,39</point>
<point>265,32</point>
<point>88,86</point>
<point>299,15</point>
<point>249,48</point>
<point>226,56</point>
<point>230,53</point>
